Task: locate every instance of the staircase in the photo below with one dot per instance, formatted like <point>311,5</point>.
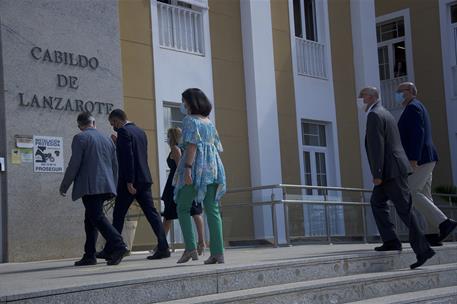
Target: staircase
<point>299,274</point>
<point>355,278</point>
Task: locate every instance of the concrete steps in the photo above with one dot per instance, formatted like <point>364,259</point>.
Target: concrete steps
<point>339,289</point>
<point>444,295</point>
<point>283,275</point>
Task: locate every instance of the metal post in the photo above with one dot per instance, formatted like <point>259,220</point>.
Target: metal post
<point>327,220</point>
<point>275,225</point>
<point>172,236</point>
<point>286,219</point>
<point>452,212</point>
<point>286,215</point>
<point>273,215</point>
<point>364,221</point>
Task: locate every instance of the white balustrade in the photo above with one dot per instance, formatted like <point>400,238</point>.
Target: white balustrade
<point>180,29</point>
<point>310,58</point>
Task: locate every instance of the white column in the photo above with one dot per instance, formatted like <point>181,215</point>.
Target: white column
<point>263,130</point>
<point>365,64</point>
<point>448,47</point>
<point>364,42</point>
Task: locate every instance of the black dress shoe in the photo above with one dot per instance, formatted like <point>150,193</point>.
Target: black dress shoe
<point>159,254</point>
<point>117,256</point>
<point>103,255</point>
<point>446,228</point>
<point>389,246</point>
<point>86,261</point>
<point>422,258</point>
<point>433,240</point>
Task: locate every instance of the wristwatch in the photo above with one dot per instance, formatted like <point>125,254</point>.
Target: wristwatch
<point>188,166</point>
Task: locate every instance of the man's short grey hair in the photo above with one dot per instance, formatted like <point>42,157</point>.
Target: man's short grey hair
<point>371,91</point>
<point>84,119</point>
<point>410,86</point>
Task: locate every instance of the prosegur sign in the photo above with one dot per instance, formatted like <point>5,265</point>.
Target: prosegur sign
<point>60,103</point>
<point>48,154</point>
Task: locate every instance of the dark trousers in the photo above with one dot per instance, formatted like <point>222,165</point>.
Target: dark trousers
<point>144,198</point>
<point>95,221</point>
<point>397,191</point>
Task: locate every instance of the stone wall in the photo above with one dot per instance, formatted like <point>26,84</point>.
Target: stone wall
<point>40,40</point>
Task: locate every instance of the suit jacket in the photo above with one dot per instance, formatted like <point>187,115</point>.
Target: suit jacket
<point>416,133</point>
<point>93,165</point>
<point>132,155</point>
<point>383,145</point>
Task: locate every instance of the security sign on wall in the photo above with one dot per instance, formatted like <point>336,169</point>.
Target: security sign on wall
<point>48,154</point>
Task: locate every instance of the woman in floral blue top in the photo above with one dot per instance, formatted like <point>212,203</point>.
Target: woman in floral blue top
<point>200,175</point>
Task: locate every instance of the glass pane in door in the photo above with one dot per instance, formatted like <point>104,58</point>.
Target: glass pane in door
<point>454,13</point>
<point>308,173</point>
<point>399,52</point>
<point>383,61</point>
<point>321,171</point>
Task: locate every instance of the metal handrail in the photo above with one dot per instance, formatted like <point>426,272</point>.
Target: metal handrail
<point>273,202</point>
<point>325,203</point>
<point>278,186</point>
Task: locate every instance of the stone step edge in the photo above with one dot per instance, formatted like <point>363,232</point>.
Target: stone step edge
<point>413,297</point>
<point>310,285</point>
<point>226,269</point>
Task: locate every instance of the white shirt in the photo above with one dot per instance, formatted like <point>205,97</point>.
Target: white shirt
<point>371,107</point>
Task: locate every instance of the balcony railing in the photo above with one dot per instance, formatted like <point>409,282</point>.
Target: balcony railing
<point>388,88</point>
<point>180,29</point>
<point>310,58</point>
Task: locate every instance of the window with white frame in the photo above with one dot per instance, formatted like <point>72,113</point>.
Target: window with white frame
<point>315,155</point>
<point>391,49</point>
<point>180,26</point>
<point>392,58</point>
<point>172,116</point>
<point>453,11</point>
<point>316,166</point>
<point>309,51</point>
<point>305,19</point>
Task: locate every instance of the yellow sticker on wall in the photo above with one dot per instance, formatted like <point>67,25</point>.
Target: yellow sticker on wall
<point>15,157</point>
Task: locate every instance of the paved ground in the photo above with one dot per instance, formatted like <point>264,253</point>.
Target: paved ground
<point>30,277</point>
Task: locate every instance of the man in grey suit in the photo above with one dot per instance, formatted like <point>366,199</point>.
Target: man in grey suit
<point>390,168</point>
<point>93,171</point>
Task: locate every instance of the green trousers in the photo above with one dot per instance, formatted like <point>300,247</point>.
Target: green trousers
<point>184,202</point>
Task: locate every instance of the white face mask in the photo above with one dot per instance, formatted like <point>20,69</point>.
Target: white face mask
<point>360,105</point>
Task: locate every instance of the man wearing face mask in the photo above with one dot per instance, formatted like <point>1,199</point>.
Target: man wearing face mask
<point>390,168</point>
<point>134,180</point>
<point>416,136</point>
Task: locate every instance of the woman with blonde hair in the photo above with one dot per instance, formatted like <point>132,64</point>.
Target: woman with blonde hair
<point>169,214</point>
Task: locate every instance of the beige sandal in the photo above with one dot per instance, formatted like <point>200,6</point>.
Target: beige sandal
<point>215,259</point>
<point>187,255</point>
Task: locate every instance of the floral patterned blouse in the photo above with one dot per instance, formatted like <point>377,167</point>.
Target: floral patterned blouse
<point>207,168</point>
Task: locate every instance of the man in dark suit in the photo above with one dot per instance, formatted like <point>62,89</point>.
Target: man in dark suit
<point>416,136</point>
<point>134,180</point>
<point>93,171</point>
<point>390,168</point>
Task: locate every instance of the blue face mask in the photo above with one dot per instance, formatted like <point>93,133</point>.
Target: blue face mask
<point>183,109</point>
<point>399,98</point>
